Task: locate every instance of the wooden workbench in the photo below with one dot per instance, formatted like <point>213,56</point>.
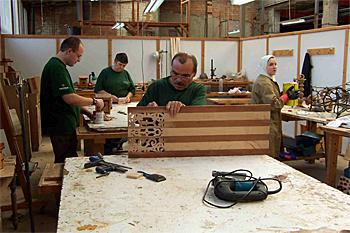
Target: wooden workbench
<point>95,135</point>
<point>229,101</point>
<point>333,136</point>
<point>117,204</point>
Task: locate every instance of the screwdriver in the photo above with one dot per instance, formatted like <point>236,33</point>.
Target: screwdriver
<point>154,177</point>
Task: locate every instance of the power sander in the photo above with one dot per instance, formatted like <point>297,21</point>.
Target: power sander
<point>239,186</point>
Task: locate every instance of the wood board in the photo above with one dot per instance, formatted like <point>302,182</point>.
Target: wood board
<point>198,131</point>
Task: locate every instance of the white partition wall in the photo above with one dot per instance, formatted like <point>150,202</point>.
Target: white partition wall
<point>194,48</point>
<point>94,59</point>
<point>165,62</point>
<point>286,65</point>
<point>286,68</point>
<point>327,69</point>
<point>224,55</point>
<point>348,58</point>
<point>29,55</point>
<point>142,64</point>
<point>252,51</point>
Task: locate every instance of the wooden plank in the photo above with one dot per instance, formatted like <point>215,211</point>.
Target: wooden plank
<point>209,138</point>
<point>283,52</point>
<point>206,109</point>
<point>218,116</point>
<point>51,178</point>
<point>229,101</point>
<point>200,146</point>
<point>321,51</point>
<point>244,130</point>
<point>220,123</point>
<point>235,152</point>
<point>154,133</point>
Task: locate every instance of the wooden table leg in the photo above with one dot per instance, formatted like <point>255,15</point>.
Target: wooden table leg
<point>14,202</point>
<point>332,151</point>
<point>92,146</point>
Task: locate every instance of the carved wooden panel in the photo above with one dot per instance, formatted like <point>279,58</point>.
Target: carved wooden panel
<point>199,131</point>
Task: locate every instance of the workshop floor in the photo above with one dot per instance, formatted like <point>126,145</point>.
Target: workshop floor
<point>45,216</point>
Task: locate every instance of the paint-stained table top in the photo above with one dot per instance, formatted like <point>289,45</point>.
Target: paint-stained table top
<point>118,204</point>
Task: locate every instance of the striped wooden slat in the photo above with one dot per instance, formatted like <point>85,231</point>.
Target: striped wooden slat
<point>199,131</point>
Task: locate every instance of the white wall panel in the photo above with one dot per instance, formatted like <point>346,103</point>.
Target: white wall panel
<point>194,48</point>
<point>165,64</point>
<point>29,55</point>
<point>327,69</point>
<point>286,65</point>
<point>252,51</point>
<point>286,68</point>
<point>94,59</point>
<point>224,55</point>
<point>142,64</point>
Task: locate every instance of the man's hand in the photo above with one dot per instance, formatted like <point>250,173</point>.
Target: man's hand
<point>292,95</point>
<point>127,99</point>
<point>99,104</point>
<point>152,104</point>
<point>174,107</point>
<point>114,99</point>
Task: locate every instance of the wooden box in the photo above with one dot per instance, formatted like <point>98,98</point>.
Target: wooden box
<point>83,81</point>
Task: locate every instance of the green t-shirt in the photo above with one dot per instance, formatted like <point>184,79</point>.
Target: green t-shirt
<point>57,117</point>
<point>115,83</point>
<point>162,92</point>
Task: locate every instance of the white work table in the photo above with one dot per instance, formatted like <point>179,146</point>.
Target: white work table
<point>117,204</point>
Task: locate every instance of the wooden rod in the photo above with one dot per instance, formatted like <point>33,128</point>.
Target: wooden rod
<point>158,59</point>
<point>202,56</point>
<point>346,54</point>
<point>109,41</point>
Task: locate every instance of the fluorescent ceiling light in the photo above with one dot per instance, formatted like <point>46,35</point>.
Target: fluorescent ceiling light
<point>234,32</point>
<point>118,26</point>
<point>240,2</point>
<point>153,6</point>
<point>292,21</point>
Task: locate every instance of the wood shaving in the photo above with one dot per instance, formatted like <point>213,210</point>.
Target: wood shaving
<point>87,227</point>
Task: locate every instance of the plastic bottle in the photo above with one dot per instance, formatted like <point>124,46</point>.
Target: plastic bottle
<point>221,85</point>
<point>93,78</point>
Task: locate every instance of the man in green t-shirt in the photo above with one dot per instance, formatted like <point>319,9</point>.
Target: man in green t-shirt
<point>115,80</point>
<point>178,89</point>
<point>60,105</point>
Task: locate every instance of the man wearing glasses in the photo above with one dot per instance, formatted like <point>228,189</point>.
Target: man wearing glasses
<point>178,89</point>
<point>60,105</point>
<point>115,80</point>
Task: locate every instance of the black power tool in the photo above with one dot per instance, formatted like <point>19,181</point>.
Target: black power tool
<point>239,186</point>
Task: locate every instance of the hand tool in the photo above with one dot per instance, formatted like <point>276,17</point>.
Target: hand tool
<point>103,169</point>
<point>154,177</point>
<point>121,112</point>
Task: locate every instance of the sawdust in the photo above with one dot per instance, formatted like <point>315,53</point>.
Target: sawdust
<point>87,227</point>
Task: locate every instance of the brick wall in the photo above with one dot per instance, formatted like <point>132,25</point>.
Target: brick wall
<point>225,17</point>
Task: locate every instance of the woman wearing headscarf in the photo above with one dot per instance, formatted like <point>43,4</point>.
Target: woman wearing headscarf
<point>266,91</point>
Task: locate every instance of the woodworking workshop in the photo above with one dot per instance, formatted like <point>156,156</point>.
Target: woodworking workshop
<point>152,116</point>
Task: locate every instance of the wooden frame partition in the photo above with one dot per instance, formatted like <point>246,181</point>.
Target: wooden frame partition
<point>199,131</point>
<point>299,33</point>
